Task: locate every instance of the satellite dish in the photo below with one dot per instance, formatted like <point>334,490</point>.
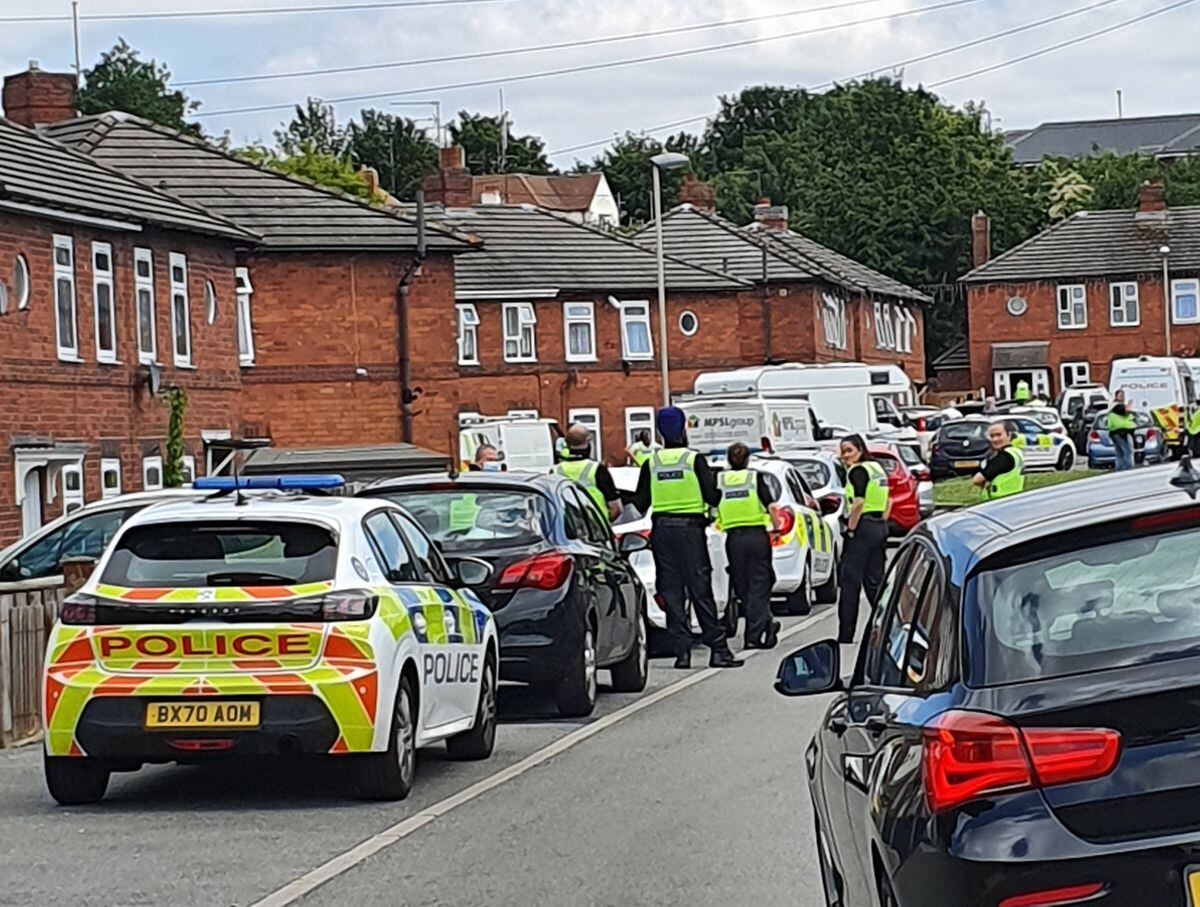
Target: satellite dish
<point>154,379</point>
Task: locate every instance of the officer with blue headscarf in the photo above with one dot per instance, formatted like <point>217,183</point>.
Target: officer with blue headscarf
<point>681,488</point>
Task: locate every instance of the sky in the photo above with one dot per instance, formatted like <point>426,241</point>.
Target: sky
<point>1153,63</point>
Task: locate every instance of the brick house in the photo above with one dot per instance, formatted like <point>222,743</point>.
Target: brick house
<point>1058,309</point>
<point>103,280</point>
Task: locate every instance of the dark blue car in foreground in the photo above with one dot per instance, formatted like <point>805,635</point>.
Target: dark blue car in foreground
<point>1022,725</point>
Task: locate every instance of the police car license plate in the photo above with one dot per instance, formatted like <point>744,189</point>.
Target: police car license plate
<point>1191,878</point>
<point>966,464</point>
<point>202,714</point>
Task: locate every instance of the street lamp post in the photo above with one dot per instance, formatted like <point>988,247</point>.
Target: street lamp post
<point>1165,251</point>
<point>665,161</point>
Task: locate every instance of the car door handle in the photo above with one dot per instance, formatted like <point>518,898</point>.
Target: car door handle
<point>875,725</point>
<point>837,724</point>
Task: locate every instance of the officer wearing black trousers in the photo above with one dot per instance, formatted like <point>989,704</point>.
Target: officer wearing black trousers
<point>864,546</point>
<point>744,515</point>
<point>680,486</point>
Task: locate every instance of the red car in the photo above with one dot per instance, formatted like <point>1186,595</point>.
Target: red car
<point>902,488</point>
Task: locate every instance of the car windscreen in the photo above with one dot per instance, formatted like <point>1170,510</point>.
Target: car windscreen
<point>908,455</point>
<point>1141,420</point>
<point>963,431</point>
<point>462,518</point>
<point>1123,602</point>
<point>214,554</point>
<point>815,473</point>
<point>1045,417</point>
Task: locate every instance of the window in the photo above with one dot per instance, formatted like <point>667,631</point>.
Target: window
<point>423,550</point>
<point>638,419</point>
<point>110,477</point>
<point>465,520</point>
<point>688,323</point>
<point>1073,373</point>
<point>468,335</point>
<point>181,313</point>
<point>20,283</point>
<point>394,560</point>
<point>152,473</point>
<point>579,331</point>
<point>189,469</point>
<point>590,418</point>
<point>245,321</point>
<point>1123,310</point>
<point>833,320</point>
<point>894,667</point>
<point>210,301</point>
<point>102,302</point>
<point>143,286</point>
<point>519,342</point>
<point>86,536</point>
<point>65,320</point>
<point>72,484</point>
<point>594,526</point>
<point>885,327</point>
<point>635,331</point>
<point>1184,296</point>
<point>1072,307</point>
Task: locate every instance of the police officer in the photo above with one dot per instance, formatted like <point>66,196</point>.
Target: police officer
<point>1022,393</point>
<point>1193,430</point>
<point>487,459</point>
<point>1121,427</point>
<point>681,487</point>
<point>745,516</point>
<point>864,548</point>
<point>1001,474</point>
<point>641,448</point>
<point>577,464</point>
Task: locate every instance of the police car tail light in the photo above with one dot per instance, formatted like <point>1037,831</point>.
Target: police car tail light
<point>968,755</point>
<point>346,604</point>
<point>785,519</point>
<point>545,571</point>
<point>78,610</point>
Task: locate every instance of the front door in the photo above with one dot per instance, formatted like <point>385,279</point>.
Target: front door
<point>1038,380</point>
<point>31,506</point>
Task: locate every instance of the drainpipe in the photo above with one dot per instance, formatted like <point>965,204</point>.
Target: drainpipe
<point>766,310</point>
<point>402,345</point>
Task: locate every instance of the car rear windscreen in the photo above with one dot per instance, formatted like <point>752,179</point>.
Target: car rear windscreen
<point>202,554</point>
<point>815,473</point>
<point>463,519</point>
<point>963,431</point>
<point>1120,603</point>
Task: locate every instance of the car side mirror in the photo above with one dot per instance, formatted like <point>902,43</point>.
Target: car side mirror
<point>631,542</point>
<point>472,571</point>
<point>814,669</point>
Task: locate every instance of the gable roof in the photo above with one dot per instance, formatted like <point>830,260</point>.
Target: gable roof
<point>554,193</point>
<point>39,172</point>
<point>721,245</point>
<point>290,214</point>
<point>1163,136</point>
<point>1099,244</point>
<point>538,254</point>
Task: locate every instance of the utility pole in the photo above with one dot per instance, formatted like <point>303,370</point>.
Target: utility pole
<point>75,31</point>
<point>503,133</point>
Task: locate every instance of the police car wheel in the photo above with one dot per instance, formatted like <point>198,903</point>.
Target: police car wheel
<point>827,592</point>
<point>800,601</point>
<point>75,781</point>
<point>1066,460</point>
<point>389,775</point>
<point>576,695</point>
<point>478,742</point>
<point>630,674</point>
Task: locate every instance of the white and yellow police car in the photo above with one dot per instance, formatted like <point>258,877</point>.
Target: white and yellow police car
<point>268,619</point>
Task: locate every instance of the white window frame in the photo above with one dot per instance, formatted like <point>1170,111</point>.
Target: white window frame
<point>585,315</point>
<point>1080,370</point>
<point>245,316</point>
<point>589,416</point>
<point>1066,319</point>
<point>637,418</point>
<point>468,326</point>
<point>148,463</point>
<point>110,465</point>
<point>146,284</point>
<point>104,278</point>
<point>65,272</point>
<point>629,319</point>
<point>833,320</point>
<point>1119,299</point>
<point>72,500</point>
<point>180,289</point>
<point>526,333</point>
<point>189,469</point>
<point>1193,288</point>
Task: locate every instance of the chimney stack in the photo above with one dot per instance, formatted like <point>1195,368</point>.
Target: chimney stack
<point>38,98</point>
<point>697,193</point>
<point>1152,198</point>
<point>451,186</point>
<point>771,217</point>
<point>981,239</point>
<point>371,177</point>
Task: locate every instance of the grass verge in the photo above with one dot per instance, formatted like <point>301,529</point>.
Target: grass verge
<point>954,493</point>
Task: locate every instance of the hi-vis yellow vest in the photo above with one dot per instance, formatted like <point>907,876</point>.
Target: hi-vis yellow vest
<point>740,505</point>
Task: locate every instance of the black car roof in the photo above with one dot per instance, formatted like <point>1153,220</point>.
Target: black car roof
<point>539,481</point>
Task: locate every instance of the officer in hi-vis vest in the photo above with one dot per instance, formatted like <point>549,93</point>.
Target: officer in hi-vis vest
<point>864,548</point>
<point>641,448</point>
<point>577,464</point>
<point>744,515</point>
<point>1001,474</point>
<point>680,486</point>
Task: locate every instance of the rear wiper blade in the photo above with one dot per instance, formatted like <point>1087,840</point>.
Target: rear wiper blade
<point>232,578</point>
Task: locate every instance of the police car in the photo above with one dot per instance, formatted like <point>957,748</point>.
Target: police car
<point>268,619</point>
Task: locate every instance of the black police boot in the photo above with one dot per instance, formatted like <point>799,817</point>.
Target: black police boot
<point>683,661</point>
<point>772,639</point>
<point>723,660</point>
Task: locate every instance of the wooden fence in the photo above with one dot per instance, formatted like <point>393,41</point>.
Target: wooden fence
<point>27,612</point>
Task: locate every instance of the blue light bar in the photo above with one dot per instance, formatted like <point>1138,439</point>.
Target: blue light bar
<point>272,483</point>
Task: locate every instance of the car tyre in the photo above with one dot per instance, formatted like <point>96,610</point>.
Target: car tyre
<point>75,780</point>
<point>389,775</point>
<point>1066,460</point>
<point>827,592</point>
<point>576,696</point>
<point>631,673</point>
<point>800,601</point>
<point>480,740</point>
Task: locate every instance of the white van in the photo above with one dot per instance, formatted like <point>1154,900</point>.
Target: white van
<point>525,443</point>
<point>1151,382</point>
<point>850,396</point>
<point>713,423</point>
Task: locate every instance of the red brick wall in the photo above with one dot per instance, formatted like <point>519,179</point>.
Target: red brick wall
<point>107,407</point>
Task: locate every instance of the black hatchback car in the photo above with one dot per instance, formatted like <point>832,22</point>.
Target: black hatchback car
<point>1022,725</point>
<point>566,601</point>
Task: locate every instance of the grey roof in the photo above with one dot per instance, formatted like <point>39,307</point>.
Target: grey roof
<point>723,246</point>
<point>37,171</point>
<point>290,214</point>
<point>354,463</point>
<point>1164,136</point>
<point>956,357</point>
<point>1099,244</point>
<point>529,250</point>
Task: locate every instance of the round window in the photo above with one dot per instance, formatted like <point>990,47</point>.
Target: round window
<point>20,283</point>
<point>1017,306</point>
<point>688,323</point>
<point>210,301</point>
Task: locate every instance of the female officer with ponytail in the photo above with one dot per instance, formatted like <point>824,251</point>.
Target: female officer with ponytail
<point>865,535</point>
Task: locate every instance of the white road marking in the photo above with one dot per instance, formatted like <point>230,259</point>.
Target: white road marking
<point>315,878</point>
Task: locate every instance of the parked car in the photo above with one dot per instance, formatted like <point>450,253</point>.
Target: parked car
<point>1043,448</point>
<point>1148,446</point>
<point>1016,728</point>
<point>1079,398</point>
<point>903,498</point>
<point>824,473</point>
<point>926,420</point>
<point>909,454</point>
<point>1045,416</point>
<point>566,599</point>
<point>961,446</point>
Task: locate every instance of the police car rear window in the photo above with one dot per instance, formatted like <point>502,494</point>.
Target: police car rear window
<point>200,555</point>
<point>465,519</point>
<point>815,473</point>
<point>1125,602</point>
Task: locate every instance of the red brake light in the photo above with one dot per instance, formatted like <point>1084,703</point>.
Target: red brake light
<point>1094,437</point>
<point>78,610</point>
<point>1057,429</point>
<point>920,426</point>
<point>1073,894</point>
<point>785,520</point>
<point>348,604</point>
<point>972,754</point>
<point>765,444</point>
<point>544,571</point>
<point>1151,435</point>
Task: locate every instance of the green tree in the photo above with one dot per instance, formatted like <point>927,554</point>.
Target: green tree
<point>313,126</point>
<point>480,137</point>
<point>1183,181</point>
<point>626,165</point>
<point>315,166</point>
<point>1066,189</point>
<point>121,80</point>
<point>395,147</point>
<point>173,474</point>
